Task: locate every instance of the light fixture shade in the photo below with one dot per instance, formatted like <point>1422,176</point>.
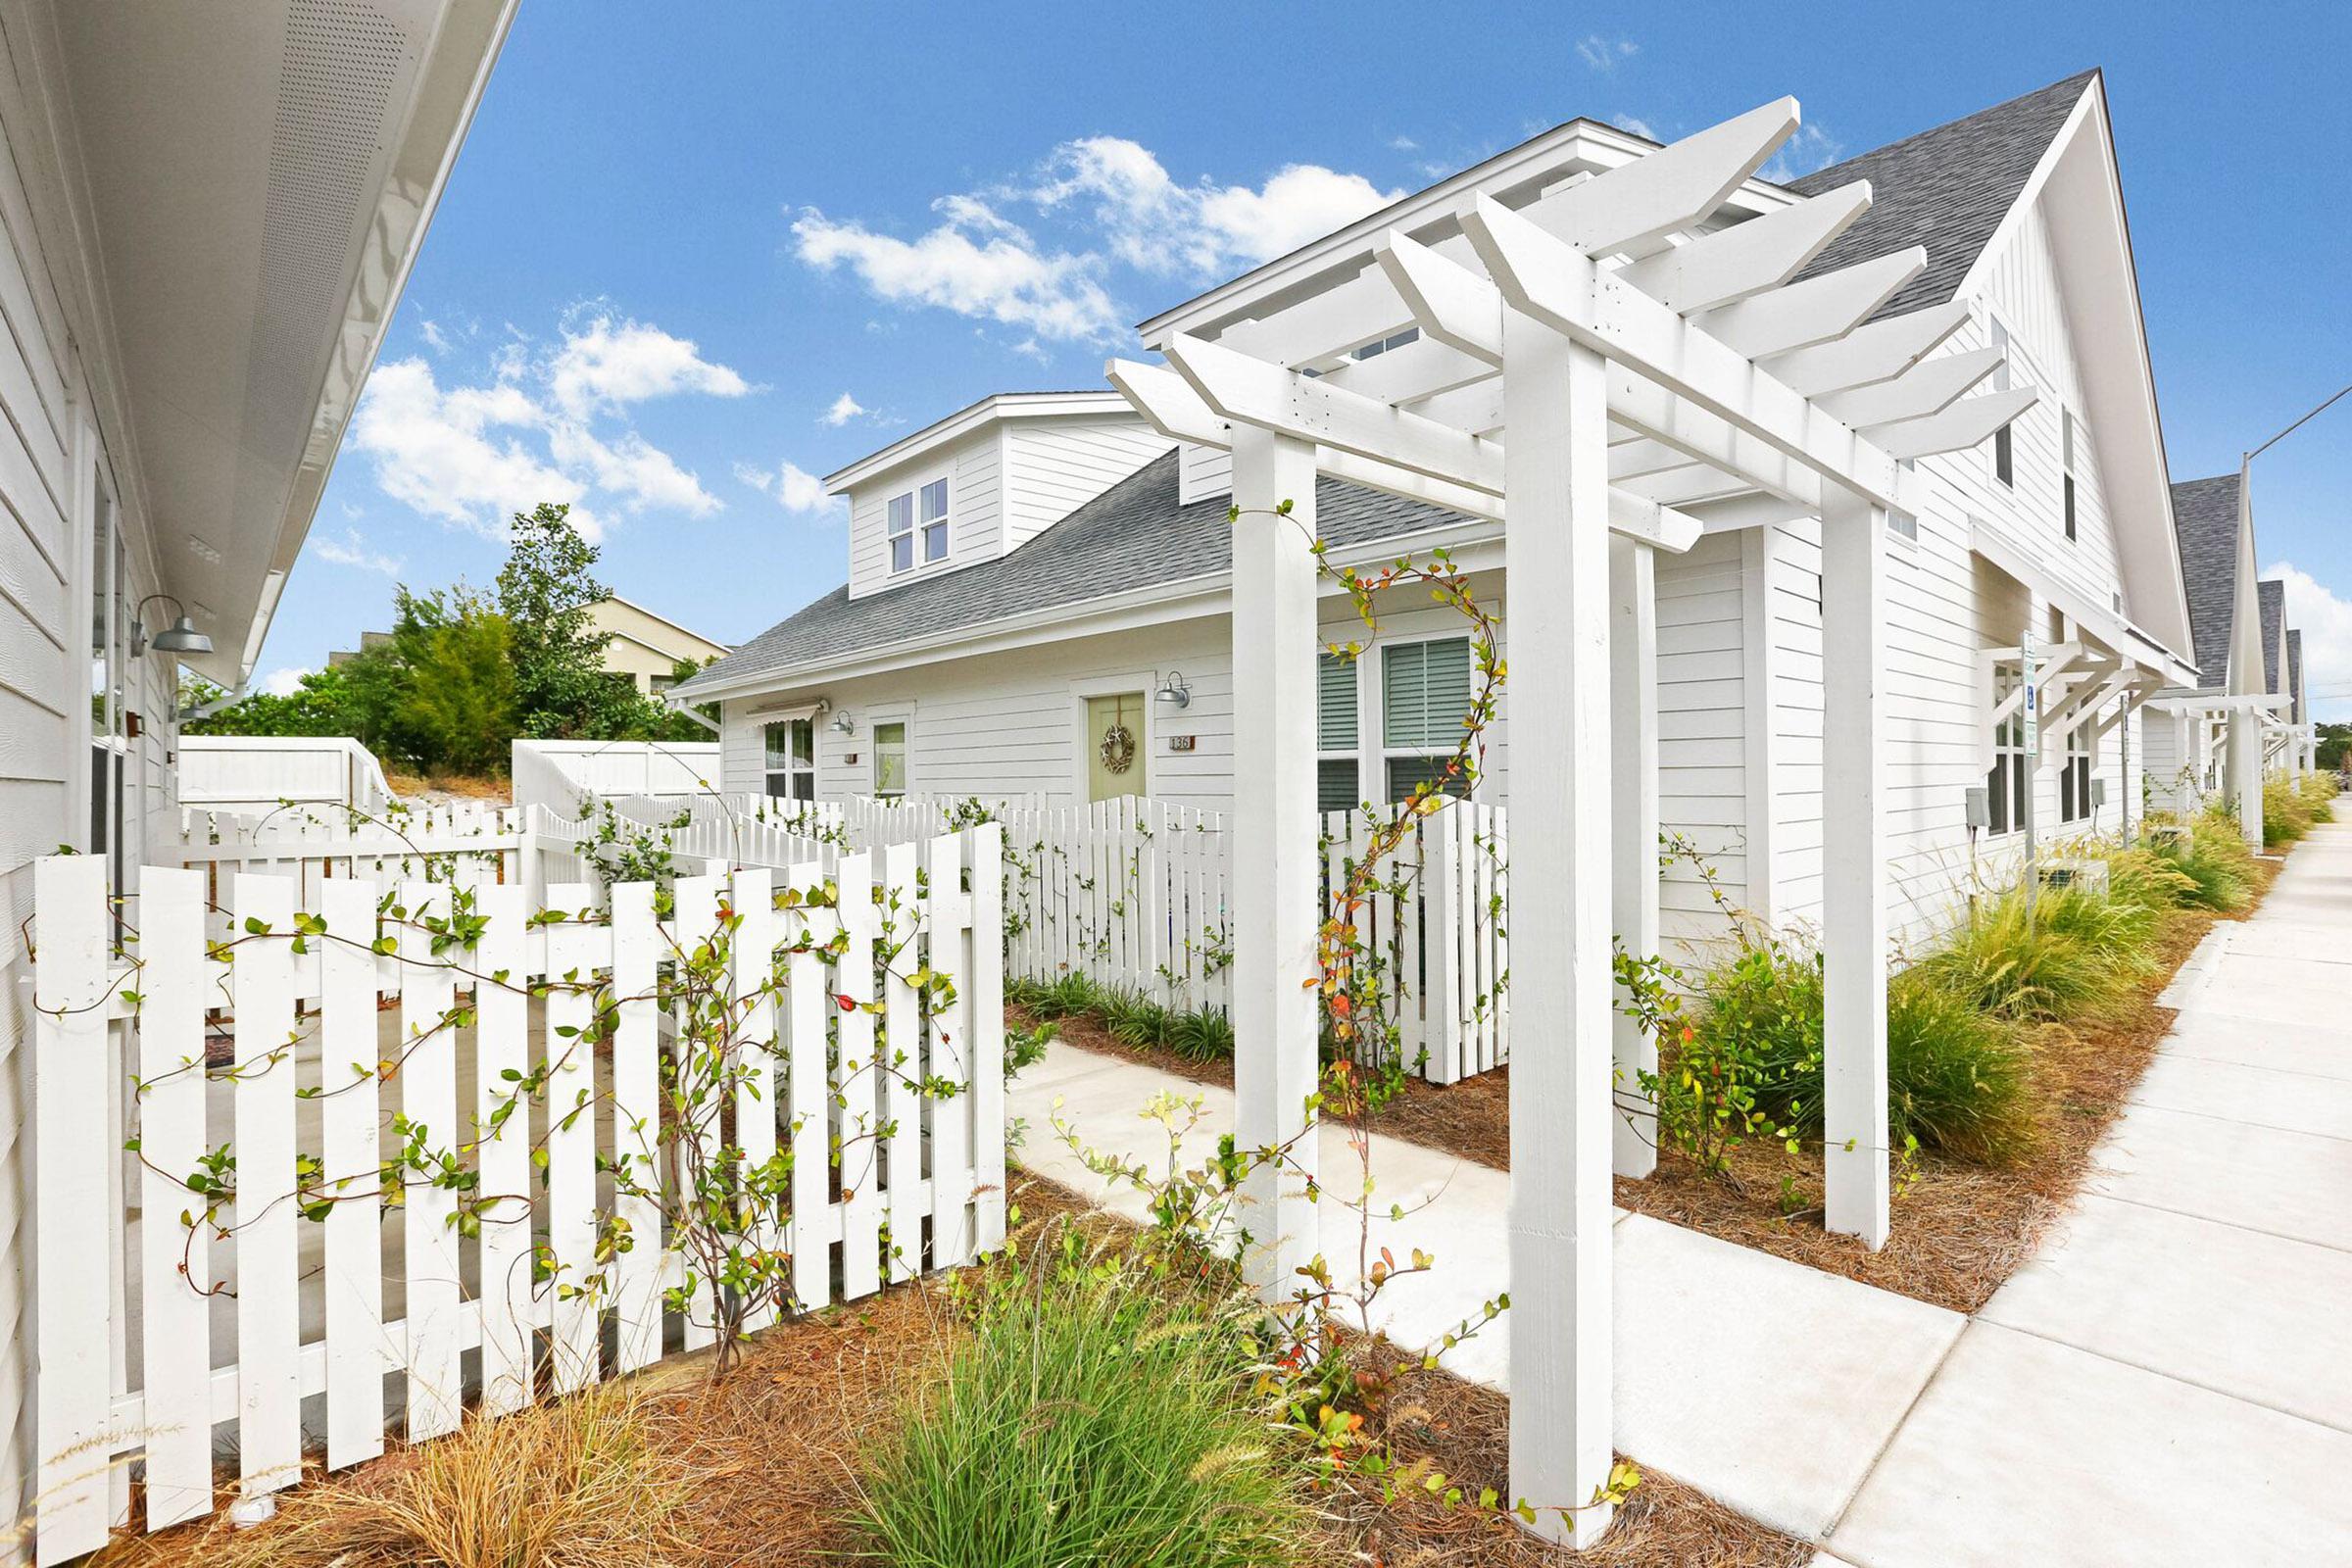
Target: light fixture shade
<point>182,637</point>
<point>1174,691</point>
<point>844,723</point>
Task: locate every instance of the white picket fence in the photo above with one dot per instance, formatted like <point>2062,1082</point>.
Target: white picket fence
<point>1133,894</point>
<point>316,1040</point>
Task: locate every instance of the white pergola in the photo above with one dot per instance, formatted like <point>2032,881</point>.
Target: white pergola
<point>1608,372</point>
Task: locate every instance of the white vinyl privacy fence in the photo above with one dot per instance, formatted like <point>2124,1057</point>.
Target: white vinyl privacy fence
<point>385,1144</point>
<point>1133,894</point>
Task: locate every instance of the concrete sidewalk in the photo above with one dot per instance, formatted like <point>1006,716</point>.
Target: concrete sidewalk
<point>1766,1383</point>
<point>2170,1380</point>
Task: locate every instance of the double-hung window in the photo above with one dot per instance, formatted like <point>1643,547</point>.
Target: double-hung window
<point>2006,785</point>
<point>1338,786</point>
<point>791,748</point>
<point>1425,703</point>
<point>2004,468</point>
<point>2066,454</point>
<point>918,520</point>
<point>890,758</point>
<point>2073,776</point>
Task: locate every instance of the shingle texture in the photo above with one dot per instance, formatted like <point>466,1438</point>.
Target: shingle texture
<point>2294,670</point>
<point>2205,520</point>
<point>2273,598</point>
<point>1948,189</point>
<point>1134,535</point>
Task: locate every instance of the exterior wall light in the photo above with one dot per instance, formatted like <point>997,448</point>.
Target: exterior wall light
<point>1174,691</point>
<point>180,637</point>
<point>844,724</point>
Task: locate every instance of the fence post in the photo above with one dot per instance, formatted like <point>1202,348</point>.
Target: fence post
<point>987,1053</point>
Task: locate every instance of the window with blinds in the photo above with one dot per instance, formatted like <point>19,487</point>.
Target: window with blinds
<point>1337,785</point>
<point>1425,700</point>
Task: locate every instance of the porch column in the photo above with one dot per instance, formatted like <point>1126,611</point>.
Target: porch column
<point>1556,561</point>
<point>1633,828</point>
<point>1853,865</point>
<point>1274,871</point>
<point>2244,755</point>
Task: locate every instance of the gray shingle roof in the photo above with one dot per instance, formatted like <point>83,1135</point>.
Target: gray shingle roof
<point>2272,599</point>
<point>2205,521</point>
<point>1134,535</point>
<point>1948,189</point>
<point>2294,669</point>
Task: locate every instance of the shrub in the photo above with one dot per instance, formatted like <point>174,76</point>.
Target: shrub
<point>2078,953</point>
<point>2285,811</point>
<point>1203,1036</point>
<point>2215,861</point>
<point>1955,1077</point>
<point>1072,992</point>
<point>1090,1418</point>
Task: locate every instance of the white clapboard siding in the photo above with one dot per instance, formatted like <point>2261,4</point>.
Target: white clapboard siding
<point>322,1302</point>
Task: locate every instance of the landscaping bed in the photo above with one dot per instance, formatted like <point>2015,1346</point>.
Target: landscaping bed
<point>1964,1218</point>
<point>774,1465</point>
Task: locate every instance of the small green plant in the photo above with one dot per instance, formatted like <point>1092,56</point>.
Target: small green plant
<point>1088,1418</point>
<point>2071,954</point>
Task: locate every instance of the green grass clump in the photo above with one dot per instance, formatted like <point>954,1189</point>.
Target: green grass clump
<point>1089,1418</point>
<point>1955,1075</point>
<point>2286,813</point>
<point>2076,954</point>
<point>2213,859</point>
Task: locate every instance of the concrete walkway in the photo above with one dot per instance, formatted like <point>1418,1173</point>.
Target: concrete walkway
<point>2170,1380</point>
<point>1766,1383</point>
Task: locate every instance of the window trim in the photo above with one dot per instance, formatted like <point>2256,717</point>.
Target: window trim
<point>769,772</point>
<point>2066,471</point>
<point>1120,683</point>
<point>917,533</point>
<point>2002,458</point>
<point>2001,809</point>
<point>1352,755</point>
<point>1375,745</point>
<point>876,722</point>
<point>2078,761</point>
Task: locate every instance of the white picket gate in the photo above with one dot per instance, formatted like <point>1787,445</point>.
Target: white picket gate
<point>307,1063</point>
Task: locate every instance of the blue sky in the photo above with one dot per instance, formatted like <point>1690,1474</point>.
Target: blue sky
<point>685,266</point>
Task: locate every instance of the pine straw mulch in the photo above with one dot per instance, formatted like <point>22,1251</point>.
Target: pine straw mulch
<point>1960,1229</point>
<point>761,1468</point>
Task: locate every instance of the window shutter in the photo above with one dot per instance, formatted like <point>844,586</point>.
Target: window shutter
<point>1335,703</point>
<point>1426,693</point>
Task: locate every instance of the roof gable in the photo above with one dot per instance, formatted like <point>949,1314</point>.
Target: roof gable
<point>2205,522</point>
<point>1946,189</point>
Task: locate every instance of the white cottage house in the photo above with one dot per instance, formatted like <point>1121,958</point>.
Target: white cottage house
<point>207,212</point>
<point>1036,570</point>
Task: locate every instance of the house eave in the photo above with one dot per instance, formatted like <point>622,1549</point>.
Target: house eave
<point>971,420</point>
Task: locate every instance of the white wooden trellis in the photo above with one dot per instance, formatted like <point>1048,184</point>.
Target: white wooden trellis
<point>1657,377</point>
<point>322,1307</point>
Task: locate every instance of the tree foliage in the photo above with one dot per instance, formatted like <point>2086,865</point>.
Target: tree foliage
<point>464,673</point>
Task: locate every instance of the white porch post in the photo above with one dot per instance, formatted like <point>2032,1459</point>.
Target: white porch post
<point>2243,754</point>
<point>1556,554</point>
<point>1274,917</point>
<point>1853,614</point>
<point>1634,827</point>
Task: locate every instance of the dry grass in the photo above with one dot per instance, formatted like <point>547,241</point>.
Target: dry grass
<point>441,788</point>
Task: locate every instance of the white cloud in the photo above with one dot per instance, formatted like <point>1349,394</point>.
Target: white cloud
<point>795,489</point>
<point>844,409</point>
<point>283,682</point>
<point>2325,620</point>
<point>1604,54</point>
<point>1810,149</point>
<point>352,551</point>
<point>550,423</point>
<point>1119,208</point>
<point>974,262</point>
<point>1156,224</point>
<point>434,336</point>
<point>1636,125</point>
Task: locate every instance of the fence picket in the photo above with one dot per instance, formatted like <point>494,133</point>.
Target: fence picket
<point>571,1105</point>
<point>901,1054</point>
<point>268,1268</point>
<point>760,1076</point>
<point>811,1099</point>
<point>948,1055</point>
<point>862,1077</point>
<point>694,905</point>
<point>983,979</point>
<point>350,1132</point>
<point>503,1147</point>
<point>428,1076</point>
<point>636,1121</point>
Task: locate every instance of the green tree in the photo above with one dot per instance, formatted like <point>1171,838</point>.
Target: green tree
<point>2335,740</point>
<point>562,688</point>
<point>456,707</point>
<point>320,706</point>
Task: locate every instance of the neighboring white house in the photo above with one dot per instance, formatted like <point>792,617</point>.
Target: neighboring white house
<point>207,212</point>
<point>2248,660</point>
<point>965,656</point>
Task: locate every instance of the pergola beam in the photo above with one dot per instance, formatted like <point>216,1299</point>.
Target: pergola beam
<point>1928,387</point>
<point>1968,422</point>
<point>1747,258</point>
<point>1814,311</point>
<point>1875,352</point>
<point>1638,205</point>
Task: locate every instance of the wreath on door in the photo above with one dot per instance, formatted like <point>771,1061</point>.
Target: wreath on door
<point>1119,749</point>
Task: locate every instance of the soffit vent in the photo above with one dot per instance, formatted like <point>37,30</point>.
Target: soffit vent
<point>343,62</point>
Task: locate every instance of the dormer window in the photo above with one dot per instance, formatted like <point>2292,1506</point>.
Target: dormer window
<point>922,513</point>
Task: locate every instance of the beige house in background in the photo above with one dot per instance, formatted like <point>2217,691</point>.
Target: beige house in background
<point>643,646</point>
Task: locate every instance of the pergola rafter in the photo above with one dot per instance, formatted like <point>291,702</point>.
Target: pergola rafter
<point>1605,370</point>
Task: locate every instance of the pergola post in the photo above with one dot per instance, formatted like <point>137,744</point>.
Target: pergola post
<point>1274,872</point>
<point>1633,813</point>
<point>1853,937</point>
<point>2243,759</point>
<point>1556,563</point>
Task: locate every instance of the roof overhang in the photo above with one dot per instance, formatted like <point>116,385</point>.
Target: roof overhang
<point>2117,634</point>
<point>971,420</point>
<point>248,186</point>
